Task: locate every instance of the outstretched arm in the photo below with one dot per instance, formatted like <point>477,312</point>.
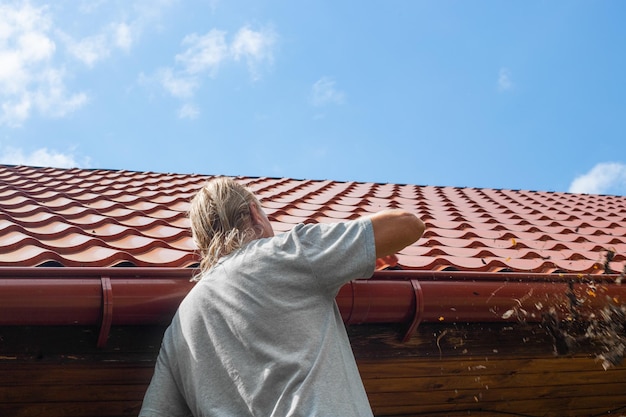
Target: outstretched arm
<point>394,230</point>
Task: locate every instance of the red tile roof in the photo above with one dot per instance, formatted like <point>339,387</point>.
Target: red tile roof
<point>102,218</point>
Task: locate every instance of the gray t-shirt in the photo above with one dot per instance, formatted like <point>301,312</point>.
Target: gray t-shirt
<point>261,334</point>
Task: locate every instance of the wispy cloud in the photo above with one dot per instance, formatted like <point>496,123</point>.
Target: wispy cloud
<point>88,50</point>
<point>324,92</point>
<point>29,79</point>
<point>98,47</point>
<point>138,17</point>
<point>604,178</point>
<point>41,157</point>
<point>123,35</point>
<point>178,85</point>
<point>255,47</point>
<point>504,80</point>
<point>203,55</point>
<point>188,111</point>
<point>34,48</point>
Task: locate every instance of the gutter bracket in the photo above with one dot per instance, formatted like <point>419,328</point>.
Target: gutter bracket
<point>361,302</point>
<point>419,310</point>
<point>107,311</point>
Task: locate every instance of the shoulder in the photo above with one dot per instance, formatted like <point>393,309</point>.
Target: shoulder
<point>360,225</point>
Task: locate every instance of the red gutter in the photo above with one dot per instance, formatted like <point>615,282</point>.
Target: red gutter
<point>136,296</point>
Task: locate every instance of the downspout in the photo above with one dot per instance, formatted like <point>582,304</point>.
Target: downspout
<point>142,296</point>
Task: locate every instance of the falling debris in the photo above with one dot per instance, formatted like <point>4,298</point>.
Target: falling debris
<point>605,331</point>
<point>507,314</point>
<point>438,342</point>
<point>610,254</point>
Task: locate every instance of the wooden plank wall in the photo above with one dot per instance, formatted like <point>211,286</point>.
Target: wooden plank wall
<point>484,370</point>
<point>451,387</point>
<point>444,370</point>
<point>59,371</point>
<point>490,387</point>
<point>73,390</point>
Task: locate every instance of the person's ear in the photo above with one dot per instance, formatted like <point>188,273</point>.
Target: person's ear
<point>259,221</point>
<point>256,218</point>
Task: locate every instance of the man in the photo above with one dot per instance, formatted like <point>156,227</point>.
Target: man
<point>260,334</point>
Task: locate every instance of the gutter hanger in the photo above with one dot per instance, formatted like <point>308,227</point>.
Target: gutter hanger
<point>145,296</point>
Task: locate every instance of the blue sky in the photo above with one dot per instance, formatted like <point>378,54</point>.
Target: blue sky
<point>490,94</point>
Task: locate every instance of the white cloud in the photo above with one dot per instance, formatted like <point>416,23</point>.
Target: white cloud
<point>139,16</point>
<point>34,46</point>
<point>324,92</point>
<point>15,111</point>
<point>52,98</point>
<point>149,12</point>
<point>29,79</point>
<point>255,47</point>
<point>88,50</point>
<point>123,35</point>
<point>188,111</point>
<point>178,85</point>
<point>213,5</point>
<point>504,80</point>
<point>33,79</point>
<point>40,157</point>
<point>604,178</point>
<point>90,6</point>
<point>202,56</point>
<point>100,46</point>
<point>204,53</point>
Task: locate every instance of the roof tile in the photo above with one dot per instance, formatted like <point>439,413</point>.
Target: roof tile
<point>81,217</point>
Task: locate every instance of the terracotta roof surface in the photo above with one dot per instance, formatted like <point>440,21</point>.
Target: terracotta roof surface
<point>103,218</point>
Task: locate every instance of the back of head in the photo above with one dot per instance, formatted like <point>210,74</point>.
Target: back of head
<point>220,219</point>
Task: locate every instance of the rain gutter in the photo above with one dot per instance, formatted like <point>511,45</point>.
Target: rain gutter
<point>147,296</point>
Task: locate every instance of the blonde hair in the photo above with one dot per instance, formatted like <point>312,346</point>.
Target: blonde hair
<point>220,220</point>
